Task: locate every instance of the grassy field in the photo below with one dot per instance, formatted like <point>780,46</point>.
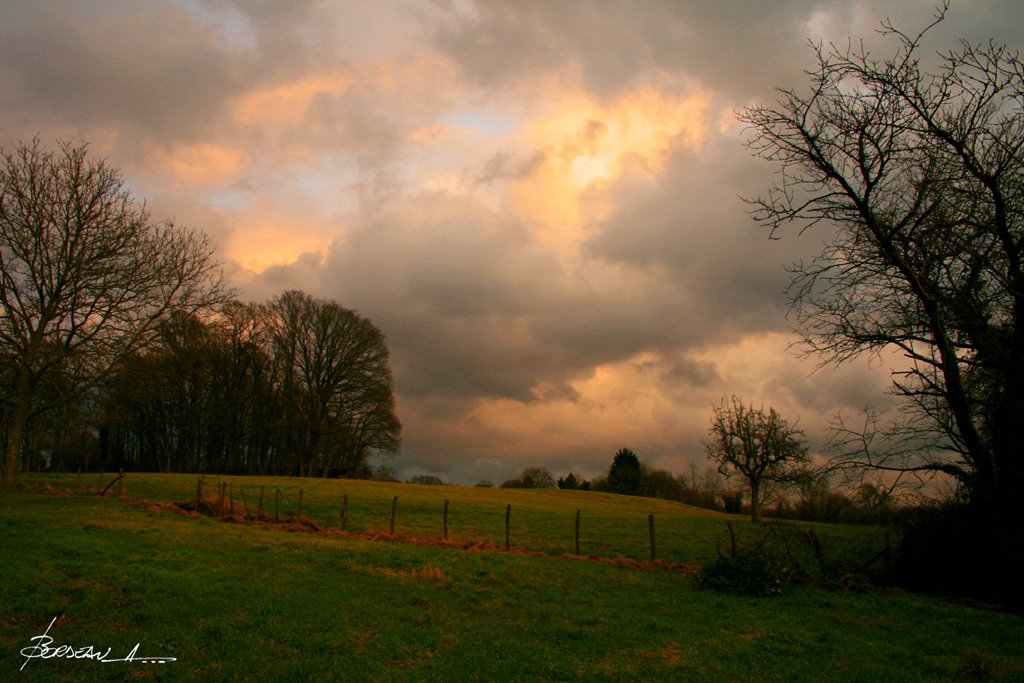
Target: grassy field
<point>233,601</point>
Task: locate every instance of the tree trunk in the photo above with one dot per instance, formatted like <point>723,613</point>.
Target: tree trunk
<point>15,430</point>
<point>755,500</point>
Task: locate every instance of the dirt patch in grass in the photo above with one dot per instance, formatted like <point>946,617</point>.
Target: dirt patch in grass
<point>57,491</point>
<point>427,572</point>
<point>670,655</point>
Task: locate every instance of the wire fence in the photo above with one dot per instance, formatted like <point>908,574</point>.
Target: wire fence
<point>425,519</point>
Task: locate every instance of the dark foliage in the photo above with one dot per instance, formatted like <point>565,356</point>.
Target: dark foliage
<point>531,478</point>
<point>571,482</point>
<point>745,574</point>
<point>957,551</point>
<point>624,476</point>
<point>296,386</point>
<point>427,479</point>
<point>733,502</point>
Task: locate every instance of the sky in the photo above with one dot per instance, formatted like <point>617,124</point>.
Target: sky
<point>539,203</point>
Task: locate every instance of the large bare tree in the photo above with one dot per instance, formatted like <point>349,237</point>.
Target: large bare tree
<point>916,176</point>
<point>86,275</point>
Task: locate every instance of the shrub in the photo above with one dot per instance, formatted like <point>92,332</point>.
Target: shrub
<point>531,478</point>
<point>733,502</point>
<point>427,479</point>
<point>745,574</point>
<point>958,551</point>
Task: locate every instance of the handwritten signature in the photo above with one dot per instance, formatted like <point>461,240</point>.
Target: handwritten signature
<point>44,649</point>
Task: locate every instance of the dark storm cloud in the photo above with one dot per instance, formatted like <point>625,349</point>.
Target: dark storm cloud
<point>738,48</point>
<point>155,72</point>
<point>455,287</point>
<point>618,45</point>
<point>477,309</point>
<point>473,308</point>
<point>692,222</point>
<point>149,68</point>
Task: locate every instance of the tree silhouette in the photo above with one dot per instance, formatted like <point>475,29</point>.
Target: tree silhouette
<point>919,178</point>
<point>624,476</point>
<point>758,445</point>
<point>86,277</point>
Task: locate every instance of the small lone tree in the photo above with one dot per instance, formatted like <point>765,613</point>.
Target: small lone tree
<point>624,476</point>
<point>759,445</point>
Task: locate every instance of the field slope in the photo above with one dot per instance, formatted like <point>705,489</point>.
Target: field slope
<point>234,601</point>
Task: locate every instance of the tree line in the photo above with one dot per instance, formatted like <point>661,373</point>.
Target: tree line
<point>785,486</point>
<point>293,386</point>
<point>122,347</point>
<point>296,385</point>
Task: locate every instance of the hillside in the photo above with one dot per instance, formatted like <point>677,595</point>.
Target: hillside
<point>230,601</point>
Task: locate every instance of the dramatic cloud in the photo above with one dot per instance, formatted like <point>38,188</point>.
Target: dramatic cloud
<point>538,202</point>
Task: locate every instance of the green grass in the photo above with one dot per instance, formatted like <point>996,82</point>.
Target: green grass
<point>541,520</point>
<point>247,602</point>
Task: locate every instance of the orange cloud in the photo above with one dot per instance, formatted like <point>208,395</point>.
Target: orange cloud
<point>616,405</point>
<point>273,242</point>
<point>640,403</point>
<point>590,144</point>
<point>201,164</point>
<point>288,103</point>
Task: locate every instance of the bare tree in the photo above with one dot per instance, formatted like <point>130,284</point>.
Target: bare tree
<point>759,445</point>
<point>85,275</point>
<point>920,177</point>
<point>531,478</point>
<point>338,380</point>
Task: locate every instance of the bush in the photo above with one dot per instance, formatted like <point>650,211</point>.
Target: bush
<point>427,479</point>
<point>733,502</point>
<point>531,478</point>
<point>957,551</point>
<point>745,574</point>
<point>976,666</point>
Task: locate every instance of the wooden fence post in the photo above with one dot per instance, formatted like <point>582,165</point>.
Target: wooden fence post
<point>732,539</point>
<point>344,511</point>
<point>199,493</point>
<point>394,506</point>
<point>577,532</point>
<point>445,519</point>
<point>259,508</point>
<point>650,526</point>
<point>816,546</point>
<point>508,521</point>
<point>277,497</point>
